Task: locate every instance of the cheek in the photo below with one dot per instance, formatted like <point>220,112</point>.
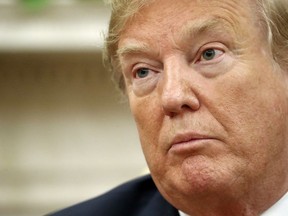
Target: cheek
<point>148,117</point>
<point>251,106</point>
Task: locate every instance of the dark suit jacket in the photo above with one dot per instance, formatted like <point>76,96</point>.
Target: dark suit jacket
<point>139,197</point>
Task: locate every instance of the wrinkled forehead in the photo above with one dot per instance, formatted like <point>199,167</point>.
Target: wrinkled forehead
<point>157,11</point>
<point>161,19</point>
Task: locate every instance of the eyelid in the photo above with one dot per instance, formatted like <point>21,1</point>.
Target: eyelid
<point>215,45</point>
<point>139,66</point>
<point>138,60</point>
<point>136,75</point>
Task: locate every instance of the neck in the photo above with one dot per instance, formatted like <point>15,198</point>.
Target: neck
<point>222,207</point>
<point>250,204</point>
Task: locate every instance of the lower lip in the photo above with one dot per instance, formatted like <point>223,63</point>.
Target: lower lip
<point>191,146</point>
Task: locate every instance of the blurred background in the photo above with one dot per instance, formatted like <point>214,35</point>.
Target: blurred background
<point>65,135</point>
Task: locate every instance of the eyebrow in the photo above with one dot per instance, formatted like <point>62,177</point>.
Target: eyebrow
<point>190,30</point>
<point>133,47</point>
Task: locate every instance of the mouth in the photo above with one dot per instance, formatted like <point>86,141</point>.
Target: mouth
<point>189,142</point>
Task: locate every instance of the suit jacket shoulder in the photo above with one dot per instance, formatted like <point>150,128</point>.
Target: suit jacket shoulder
<point>138,197</point>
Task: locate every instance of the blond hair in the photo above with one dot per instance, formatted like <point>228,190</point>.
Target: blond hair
<point>274,14</point>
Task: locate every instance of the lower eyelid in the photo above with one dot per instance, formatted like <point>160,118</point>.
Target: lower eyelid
<point>213,61</point>
<point>151,70</point>
<point>146,84</point>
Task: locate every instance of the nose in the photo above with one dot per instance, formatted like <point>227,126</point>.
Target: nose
<point>178,92</point>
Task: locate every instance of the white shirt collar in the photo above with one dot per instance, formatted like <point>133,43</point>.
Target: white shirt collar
<point>182,213</point>
<point>280,208</point>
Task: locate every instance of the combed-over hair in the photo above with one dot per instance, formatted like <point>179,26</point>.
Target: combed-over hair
<point>274,14</point>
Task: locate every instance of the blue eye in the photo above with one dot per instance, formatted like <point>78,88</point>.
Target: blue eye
<point>142,72</point>
<point>209,54</point>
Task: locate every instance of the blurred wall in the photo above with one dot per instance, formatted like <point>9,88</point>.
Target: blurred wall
<point>65,135</point>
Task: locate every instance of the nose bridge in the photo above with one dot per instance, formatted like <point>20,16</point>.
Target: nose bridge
<point>177,87</point>
<point>173,80</point>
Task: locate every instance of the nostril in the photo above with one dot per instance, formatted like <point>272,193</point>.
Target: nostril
<point>185,106</point>
<point>169,113</point>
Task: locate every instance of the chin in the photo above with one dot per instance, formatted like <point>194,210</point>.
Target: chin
<point>200,177</point>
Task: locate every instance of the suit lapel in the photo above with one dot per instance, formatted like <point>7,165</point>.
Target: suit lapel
<point>158,206</point>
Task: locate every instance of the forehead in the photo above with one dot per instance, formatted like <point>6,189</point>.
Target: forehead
<point>170,19</point>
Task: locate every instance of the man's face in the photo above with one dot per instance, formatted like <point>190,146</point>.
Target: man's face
<point>209,102</point>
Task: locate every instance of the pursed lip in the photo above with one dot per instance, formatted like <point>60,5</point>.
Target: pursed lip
<point>186,141</point>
